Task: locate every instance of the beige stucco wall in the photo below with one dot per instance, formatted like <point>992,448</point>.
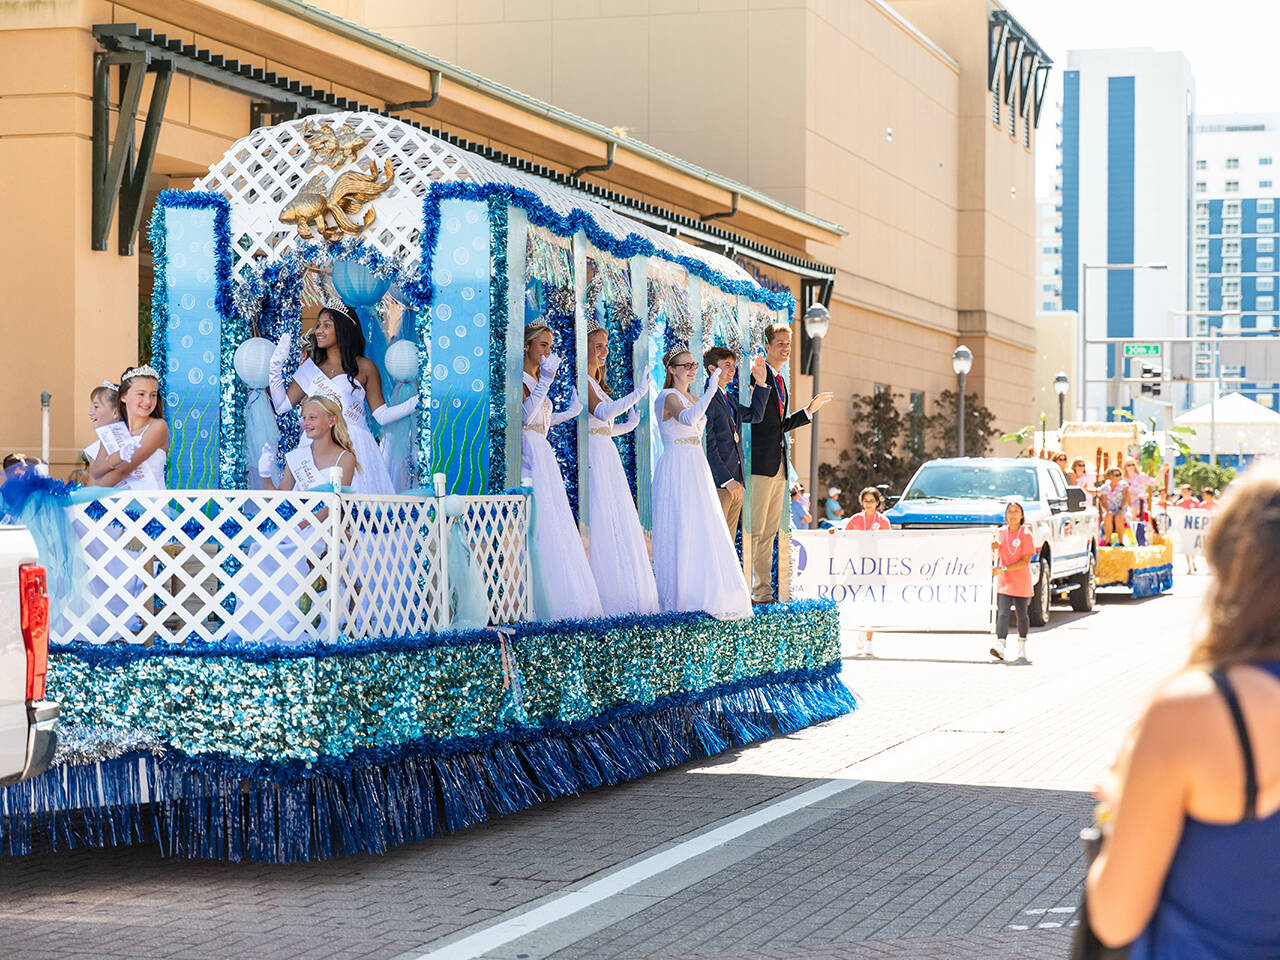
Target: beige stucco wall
<point>1057,349</point>
<point>799,100</point>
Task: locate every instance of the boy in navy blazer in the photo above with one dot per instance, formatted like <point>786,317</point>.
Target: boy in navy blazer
<point>725,431</point>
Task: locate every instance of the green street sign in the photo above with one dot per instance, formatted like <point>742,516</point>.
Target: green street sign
<point>1142,349</point>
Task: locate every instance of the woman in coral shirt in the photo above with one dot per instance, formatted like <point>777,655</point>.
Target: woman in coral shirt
<point>1014,549</point>
<point>872,501</point>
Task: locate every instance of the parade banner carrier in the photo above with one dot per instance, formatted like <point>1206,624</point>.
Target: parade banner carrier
<point>898,579</point>
<point>1189,528</point>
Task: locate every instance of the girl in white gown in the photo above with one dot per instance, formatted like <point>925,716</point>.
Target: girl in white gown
<point>563,587</point>
<point>693,558</point>
<point>619,555</point>
<point>140,462</point>
<point>338,368</point>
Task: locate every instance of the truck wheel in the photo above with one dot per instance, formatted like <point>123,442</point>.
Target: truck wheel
<point>1085,595</point>
<point>1040,599</point>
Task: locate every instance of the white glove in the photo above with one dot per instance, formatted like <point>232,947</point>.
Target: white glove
<point>267,462</point>
<point>568,413</point>
<point>549,365</point>
<point>546,373</point>
<point>632,421</point>
<point>388,414</point>
<point>275,377</point>
<point>129,448</point>
<point>690,417</point>
<point>606,410</point>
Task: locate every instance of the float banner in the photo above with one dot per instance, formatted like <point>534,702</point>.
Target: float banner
<point>909,580</point>
<point>1189,527</point>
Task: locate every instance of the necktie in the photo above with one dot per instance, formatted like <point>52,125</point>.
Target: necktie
<point>782,396</point>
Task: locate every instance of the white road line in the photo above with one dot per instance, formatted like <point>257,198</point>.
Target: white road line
<point>574,901</point>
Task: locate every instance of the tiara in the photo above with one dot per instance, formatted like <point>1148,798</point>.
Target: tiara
<point>108,385</point>
<point>146,370</point>
<point>593,325</point>
<point>677,348</point>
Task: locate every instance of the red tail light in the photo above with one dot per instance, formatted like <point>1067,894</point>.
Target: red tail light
<point>34,596</point>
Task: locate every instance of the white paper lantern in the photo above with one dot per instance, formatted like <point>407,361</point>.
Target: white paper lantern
<point>253,361</point>
<point>402,361</point>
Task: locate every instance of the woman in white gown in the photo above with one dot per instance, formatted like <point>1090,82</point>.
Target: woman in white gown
<point>619,555</point>
<point>563,587</point>
<point>693,558</point>
<point>338,368</point>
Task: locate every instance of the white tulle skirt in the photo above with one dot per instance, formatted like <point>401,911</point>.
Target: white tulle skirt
<point>563,587</point>
<point>373,476</point>
<point>619,555</point>
<point>694,562</point>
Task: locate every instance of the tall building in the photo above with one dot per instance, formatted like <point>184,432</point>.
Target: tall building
<point>1127,142</point>
<point>1049,252</point>
<point>877,114</point>
<point>1236,189</point>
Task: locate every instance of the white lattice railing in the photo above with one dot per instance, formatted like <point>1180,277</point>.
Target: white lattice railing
<point>261,566</point>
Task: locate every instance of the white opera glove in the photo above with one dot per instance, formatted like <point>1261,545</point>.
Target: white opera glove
<point>388,414</point>
<point>546,373</point>
<point>568,413</point>
<point>632,421</point>
<point>129,448</point>
<point>267,462</point>
<point>693,414</point>
<point>275,376</point>
<point>606,410</point>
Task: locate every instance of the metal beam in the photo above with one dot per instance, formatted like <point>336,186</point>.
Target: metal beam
<point>133,190</point>
<point>1012,51</point>
<point>1026,74</point>
<point>1042,84</point>
<point>997,30</point>
<point>109,164</point>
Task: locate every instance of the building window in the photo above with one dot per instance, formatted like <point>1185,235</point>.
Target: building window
<point>1232,186</point>
<point>1266,244</point>
<point>1265,303</point>
<point>1202,208</point>
<point>1202,287</point>
<point>1202,248</point>
<point>1266,264</point>
<point>1230,266</point>
<point>1231,248</point>
<point>1202,164</point>
<point>1201,186</point>
<point>1267,225</point>
<point>1266,206</point>
<point>1230,303</point>
<point>1233,163</point>
<point>1265,285</point>
<point>1264,161</point>
<point>1230,286</point>
<point>1231,228</point>
<point>1202,326</point>
<point>880,388</point>
<point>1264,184</point>
<point>915,435</point>
<point>1202,304</point>
<point>1202,229</point>
<point>1048,306</point>
<point>1231,208</point>
<point>1202,266</point>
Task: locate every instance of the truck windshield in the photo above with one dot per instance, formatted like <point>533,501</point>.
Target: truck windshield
<point>945,481</point>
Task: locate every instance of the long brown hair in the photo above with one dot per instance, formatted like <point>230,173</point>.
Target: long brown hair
<point>600,372</point>
<point>1241,615</point>
<point>338,433</point>
<point>672,356</point>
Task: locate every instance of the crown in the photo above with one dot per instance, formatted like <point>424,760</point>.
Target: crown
<point>110,386</point>
<point>146,370</point>
<point>593,325</point>
<point>677,348</point>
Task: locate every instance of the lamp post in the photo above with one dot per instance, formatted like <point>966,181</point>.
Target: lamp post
<point>1084,331</point>
<point>961,363</point>
<point>1061,384</point>
<point>817,321</point>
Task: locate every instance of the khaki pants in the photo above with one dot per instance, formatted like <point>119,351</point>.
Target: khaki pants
<point>768,496</point>
<point>732,510</point>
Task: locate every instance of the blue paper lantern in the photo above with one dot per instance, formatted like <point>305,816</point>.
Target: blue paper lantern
<point>357,284</point>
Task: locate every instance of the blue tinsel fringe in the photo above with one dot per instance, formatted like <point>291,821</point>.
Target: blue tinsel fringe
<point>1153,580</point>
<point>224,809</point>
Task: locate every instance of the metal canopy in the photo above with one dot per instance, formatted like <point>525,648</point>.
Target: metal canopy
<point>280,98</point>
<point>1024,61</point>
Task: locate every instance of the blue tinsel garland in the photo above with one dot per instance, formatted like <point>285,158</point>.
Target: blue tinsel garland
<point>498,321</point>
<point>231,454</point>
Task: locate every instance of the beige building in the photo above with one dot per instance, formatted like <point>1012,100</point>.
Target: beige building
<point>876,115</point>
<point>79,185</point>
<point>1057,351</point>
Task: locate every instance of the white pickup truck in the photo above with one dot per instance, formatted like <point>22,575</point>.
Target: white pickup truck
<point>27,720</point>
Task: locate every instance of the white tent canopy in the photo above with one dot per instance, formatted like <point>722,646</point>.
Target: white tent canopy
<point>1237,423</point>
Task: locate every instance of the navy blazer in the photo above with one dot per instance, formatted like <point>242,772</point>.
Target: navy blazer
<point>769,434</point>
<point>724,454</point>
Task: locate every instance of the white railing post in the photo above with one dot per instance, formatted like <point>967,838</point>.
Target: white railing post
<point>336,583</point>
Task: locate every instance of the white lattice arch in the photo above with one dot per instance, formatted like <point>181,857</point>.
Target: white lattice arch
<point>262,172</point>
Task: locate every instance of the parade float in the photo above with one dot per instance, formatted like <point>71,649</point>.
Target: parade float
<point>247,674</point>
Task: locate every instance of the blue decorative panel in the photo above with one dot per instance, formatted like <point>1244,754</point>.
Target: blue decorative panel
<point>193,334</point>
<point>460,346</point>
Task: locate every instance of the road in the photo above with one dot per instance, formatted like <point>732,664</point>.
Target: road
<point>938,821</point>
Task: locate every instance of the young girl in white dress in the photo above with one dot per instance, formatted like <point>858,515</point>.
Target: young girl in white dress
<point>693,558</point>
<point>563,587</point>
<point>142,458</point>
<point>337,367</point>
<point>619,555</point>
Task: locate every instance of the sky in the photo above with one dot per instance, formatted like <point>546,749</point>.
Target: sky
<point>1230,43</point>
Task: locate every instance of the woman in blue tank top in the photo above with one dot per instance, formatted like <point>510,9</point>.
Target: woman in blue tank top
<point>1191,864</point>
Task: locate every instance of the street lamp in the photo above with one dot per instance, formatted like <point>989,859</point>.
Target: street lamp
<point>1061,384</point>
<point>1084,330</point>
<point>961,363</point>
<point>817,321</point>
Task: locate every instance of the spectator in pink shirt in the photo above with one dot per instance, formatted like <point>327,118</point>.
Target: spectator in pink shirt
<point>872,502</point>
<point>1014,547</point>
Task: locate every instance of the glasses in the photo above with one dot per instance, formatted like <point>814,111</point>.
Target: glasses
<point>1059,459</point>
<point>692,364</point>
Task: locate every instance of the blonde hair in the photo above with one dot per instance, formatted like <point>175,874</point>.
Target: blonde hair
<point>338,433</point>
<point>1241,616</point>
<point>600,372</point>
<point>533,329</point>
